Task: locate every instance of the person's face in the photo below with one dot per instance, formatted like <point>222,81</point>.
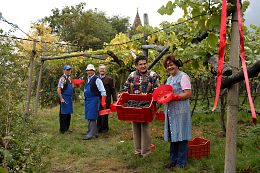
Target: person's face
<point>141,66</point>
<point>102,70</point>
<point>172,68</point>
<point>90,72</point>
<point>67,72</point>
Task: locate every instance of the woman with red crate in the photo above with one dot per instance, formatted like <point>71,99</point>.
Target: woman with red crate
<point>177,127</point>
<point>141,81</point>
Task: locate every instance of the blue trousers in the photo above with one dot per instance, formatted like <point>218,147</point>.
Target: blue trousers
<point>179,152</point>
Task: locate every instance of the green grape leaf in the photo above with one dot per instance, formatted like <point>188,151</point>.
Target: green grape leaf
<point>212,40</point>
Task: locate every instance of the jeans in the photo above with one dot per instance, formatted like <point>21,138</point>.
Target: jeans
<point>179,153</point>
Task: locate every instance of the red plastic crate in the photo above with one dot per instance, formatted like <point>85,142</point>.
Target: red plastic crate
<point>198,148</point>
<point>145,114</point>
<point>160,116</point>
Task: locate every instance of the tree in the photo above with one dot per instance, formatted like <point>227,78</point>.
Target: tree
<point>120,24</point>
<point>87,29</point>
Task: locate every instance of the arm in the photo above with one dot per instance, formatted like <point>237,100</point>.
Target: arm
<point>59,95</point>
<point>128,83</point>
<point>61,83</point>
<point>186,87</point>
<point>102,90</point>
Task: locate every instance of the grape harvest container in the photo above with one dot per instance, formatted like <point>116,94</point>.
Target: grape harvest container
<point>198,148</point>
<point>135,114</point>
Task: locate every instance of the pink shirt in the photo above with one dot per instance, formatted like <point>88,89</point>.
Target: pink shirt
<point>185,82</point>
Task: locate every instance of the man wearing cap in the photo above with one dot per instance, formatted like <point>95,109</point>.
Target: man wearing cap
<point>108,83</point>
<point>65,91</point>
<point>94,92</point>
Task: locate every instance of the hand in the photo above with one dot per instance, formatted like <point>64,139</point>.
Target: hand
<point>176,97</point>
<point>62,100</point>
<point>103,101</point>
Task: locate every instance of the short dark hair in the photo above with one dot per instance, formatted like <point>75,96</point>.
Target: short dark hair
<point>171,58</point>
<point>139,58</point>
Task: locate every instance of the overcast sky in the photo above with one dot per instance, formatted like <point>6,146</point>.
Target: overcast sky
<point>24,12</point>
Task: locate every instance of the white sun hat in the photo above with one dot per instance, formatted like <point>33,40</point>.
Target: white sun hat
<point>90,67</point>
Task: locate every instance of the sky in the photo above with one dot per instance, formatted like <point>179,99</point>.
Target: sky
<point>24,12</point>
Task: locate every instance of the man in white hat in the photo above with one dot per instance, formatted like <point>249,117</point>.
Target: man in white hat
<point>94,90</point>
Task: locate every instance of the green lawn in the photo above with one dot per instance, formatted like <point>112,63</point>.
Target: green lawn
<point>113,151</point>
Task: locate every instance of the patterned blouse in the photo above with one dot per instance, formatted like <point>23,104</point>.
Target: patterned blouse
<point>138,83</point>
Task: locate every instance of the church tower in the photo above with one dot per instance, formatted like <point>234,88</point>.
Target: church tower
<point>137,21</point>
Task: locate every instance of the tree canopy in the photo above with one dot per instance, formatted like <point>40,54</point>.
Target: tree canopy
<point>87,29</point>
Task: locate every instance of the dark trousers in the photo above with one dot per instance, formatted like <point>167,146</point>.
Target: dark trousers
<point>64,122</point>
<point>102,123</point>
<point>179,152</point>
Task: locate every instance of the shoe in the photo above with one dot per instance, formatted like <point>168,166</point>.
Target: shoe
<point>169,165</point>
<point>180,166</point>
<point>87,138</point>
<point>105,131</point>
<point>62,132</point>
<point>69,131</point>
<point>137,153</point>
<point>148,153</point>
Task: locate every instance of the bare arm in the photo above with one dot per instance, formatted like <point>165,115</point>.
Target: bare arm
<point>59,95</point>
<point>186,94</point>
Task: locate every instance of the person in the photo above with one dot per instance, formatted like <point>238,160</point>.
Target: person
<point>178,125</point>
<point>94,92</point>
<point>141,81</point>
<point>65,92</point>
<point>108,83</point>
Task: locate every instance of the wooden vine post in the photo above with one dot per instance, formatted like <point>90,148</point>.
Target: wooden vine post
<point>39,81</point>
<point>29,89</point>
<point>232,100</point>
<point>146,23</point>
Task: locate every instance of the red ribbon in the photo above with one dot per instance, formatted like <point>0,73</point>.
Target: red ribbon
<point>222,53</point>
<point>243,60</point>
<point>221,50</point>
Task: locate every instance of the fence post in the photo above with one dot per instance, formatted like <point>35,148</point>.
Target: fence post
<point>29,90</point>
<point>146,22</point>
<point>39,81</point>
<point>232,100</point>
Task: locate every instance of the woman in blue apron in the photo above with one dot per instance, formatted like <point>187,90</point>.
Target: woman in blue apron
<point>94,92</point>
<point>178,125</point>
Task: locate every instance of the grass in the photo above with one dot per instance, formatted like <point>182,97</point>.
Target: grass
<point>113,151</point>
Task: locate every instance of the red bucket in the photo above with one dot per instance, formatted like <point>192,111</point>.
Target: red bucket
<point>104,112</point>
<point>163,94</point>
<point>113,107</point>
<point>152,147</point>
<point>77,81</point>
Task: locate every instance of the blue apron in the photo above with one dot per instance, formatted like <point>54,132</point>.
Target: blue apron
<point>92,103</point>
<point>66,107</point>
